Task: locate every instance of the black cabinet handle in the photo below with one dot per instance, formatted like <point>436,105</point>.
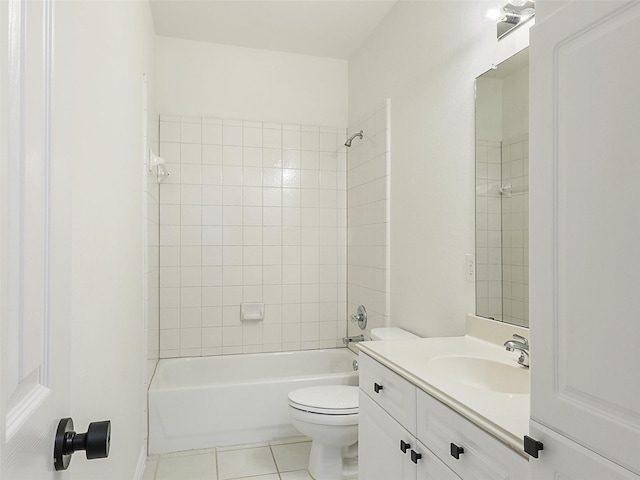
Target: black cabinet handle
<point>404,445</point>
<point>456,451</point>
<point>377,387</point>
<point>532,446</point>
<point>415,456</point>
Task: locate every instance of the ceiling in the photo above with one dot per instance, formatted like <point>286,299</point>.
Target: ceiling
<point>323,28</point>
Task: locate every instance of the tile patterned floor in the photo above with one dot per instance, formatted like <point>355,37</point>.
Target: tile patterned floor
<point>284,459</point>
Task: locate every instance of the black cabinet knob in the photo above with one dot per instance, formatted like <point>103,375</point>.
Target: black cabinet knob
<point>404,446</point>
<point>95,442</point>
<point>415,456</point>
<point>456,451</point>
<point>532,446</point>
<point>377,387</point>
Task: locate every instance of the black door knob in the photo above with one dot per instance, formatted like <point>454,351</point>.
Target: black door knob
<point>456,451</point>
<point>95,442</point>
<point>377,387</point>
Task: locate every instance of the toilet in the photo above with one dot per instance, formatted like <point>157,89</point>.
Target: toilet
<point>328,414</point>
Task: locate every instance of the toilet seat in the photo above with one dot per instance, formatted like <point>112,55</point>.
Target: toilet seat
<point>326,399</point>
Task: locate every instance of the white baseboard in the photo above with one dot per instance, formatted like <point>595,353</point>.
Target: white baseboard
<point>142,460</point>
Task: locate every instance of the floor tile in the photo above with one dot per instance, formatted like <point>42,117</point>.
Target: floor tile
<point>271,476</point>
<point>189,452</point>
<point>282,441</point>
<point>291,456</point>
<point>226,448</point>
<point>245,463</point>
<point>193,467</point>
<point>297,475</point>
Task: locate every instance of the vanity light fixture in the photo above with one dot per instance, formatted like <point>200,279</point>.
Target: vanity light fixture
<point>511,15</point>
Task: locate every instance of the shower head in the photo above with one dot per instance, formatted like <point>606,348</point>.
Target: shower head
<point>348,142</point>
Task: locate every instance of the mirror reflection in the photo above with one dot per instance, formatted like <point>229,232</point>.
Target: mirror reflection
<point>502,191</point>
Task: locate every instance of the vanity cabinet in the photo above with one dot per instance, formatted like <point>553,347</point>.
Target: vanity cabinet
<point>387,451</point>
<point>404,433</point>
<point>465,448</point>
<point>584,256</point>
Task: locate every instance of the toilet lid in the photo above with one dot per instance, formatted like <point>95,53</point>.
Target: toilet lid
<point>326,399</point>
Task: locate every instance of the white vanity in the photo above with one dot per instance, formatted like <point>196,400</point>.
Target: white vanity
<point>442,408</point>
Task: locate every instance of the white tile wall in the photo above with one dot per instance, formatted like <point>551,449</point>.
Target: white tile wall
<point>515,231</point>
<point>502,230</point>
<point>368,219</point>
<point>488,229</point>
<point>252,212</point>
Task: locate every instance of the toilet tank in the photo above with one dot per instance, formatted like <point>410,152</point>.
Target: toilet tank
<point>391,333</point>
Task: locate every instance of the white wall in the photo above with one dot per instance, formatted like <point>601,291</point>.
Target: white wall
<point>425,57</point>
<point>210,80</point>
<point>103,50</point>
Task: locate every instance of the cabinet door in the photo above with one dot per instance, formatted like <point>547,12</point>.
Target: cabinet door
<point>379,453</point>
<point>585,226</point>
<point>430,467</point>
<point>564,459</point>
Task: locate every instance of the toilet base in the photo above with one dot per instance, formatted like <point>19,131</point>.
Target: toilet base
<point>327,462</point>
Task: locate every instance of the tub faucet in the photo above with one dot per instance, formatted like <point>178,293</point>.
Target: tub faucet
<point>348,340</point>
<point>522,345</point>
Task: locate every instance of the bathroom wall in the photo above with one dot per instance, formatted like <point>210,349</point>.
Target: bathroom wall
<point>515,205</point>
<point>368,219</point>
<point>251,212</point>
<point>151,272</point>
<point>222,81</point>
<point>425,57</point>
<point>489,301</point>
<point>102,50</point>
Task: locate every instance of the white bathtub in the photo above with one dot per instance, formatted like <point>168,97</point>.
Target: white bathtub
<point>209,401</point>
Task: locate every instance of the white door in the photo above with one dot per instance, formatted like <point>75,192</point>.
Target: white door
<point>34,247</point>
<point>566,460</point>
<point>585,228</point>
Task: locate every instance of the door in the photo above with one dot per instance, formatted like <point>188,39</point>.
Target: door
<point>34,247</point>
<point>566,460</point>
<point>585,228</point>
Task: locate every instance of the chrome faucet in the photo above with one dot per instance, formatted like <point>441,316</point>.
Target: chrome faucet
<point>522,345</point>
<point>348,340</point>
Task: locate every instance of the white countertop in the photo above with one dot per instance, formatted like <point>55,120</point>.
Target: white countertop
<point>503,415</point>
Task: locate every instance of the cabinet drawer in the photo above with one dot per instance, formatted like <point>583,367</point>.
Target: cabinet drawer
<point>431,468</point>
<point>392,392</point>
<point>481,456</point>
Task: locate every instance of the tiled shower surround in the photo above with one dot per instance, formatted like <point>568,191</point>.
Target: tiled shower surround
<point>502,229</point>
<point>515,230</point>
<point>251,212</point>
<point>368,219</point>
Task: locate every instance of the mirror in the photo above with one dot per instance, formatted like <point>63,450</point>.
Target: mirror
<point>502,191</point>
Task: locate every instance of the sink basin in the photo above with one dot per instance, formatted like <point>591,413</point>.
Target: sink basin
<point>480,373</point>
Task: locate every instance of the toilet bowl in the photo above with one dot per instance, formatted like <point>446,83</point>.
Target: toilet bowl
<point>328,414</point>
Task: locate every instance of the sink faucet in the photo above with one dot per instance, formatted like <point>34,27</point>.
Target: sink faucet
<point>348,340</point>
<point>522,345</point>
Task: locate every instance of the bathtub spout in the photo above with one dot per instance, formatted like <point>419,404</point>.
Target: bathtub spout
<point>348,340</point>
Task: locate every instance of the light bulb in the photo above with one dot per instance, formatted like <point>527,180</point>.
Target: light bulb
<point>526,13</point>
<point>495,13</point>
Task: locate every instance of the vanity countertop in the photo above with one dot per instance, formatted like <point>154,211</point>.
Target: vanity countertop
<point>503,415</point>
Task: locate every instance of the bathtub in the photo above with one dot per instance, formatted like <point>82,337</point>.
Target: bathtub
<point>226,400</point>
